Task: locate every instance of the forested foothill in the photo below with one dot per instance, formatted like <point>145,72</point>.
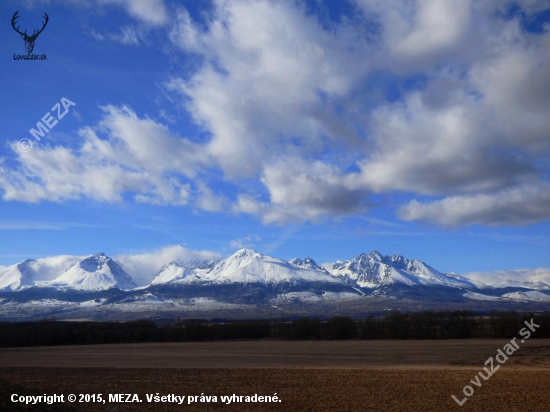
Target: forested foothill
<point>396,325</point>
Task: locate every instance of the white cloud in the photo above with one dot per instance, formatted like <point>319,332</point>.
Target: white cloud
<point>258,94</point>
<point>307,191</point>
<point>51,267</point>
<point>438,150</point>
<point>136,156</point>
<point>439,24</point>
<point>298,117</point>
<point>144,267</point>
<point>517,206</point>
<point>141,267</point>
<point>92,33</point>
<point>261,89</point>
<point>208,200</point>
<point>531,6</point>
<point>419,28</point>
<point>246,242</point>
<point>128,36</point>
<point>153,12</point>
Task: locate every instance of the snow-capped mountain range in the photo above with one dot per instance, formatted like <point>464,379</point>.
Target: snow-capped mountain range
<point>374,270</point>
<point>246,266</point>
<point>97,272</point>
<point>250,277</point>
<point>100,272</point>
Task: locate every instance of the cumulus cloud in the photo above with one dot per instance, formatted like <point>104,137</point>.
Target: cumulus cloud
<point>145,266</point>
<point>270,75</point>
<point>529,6</point>
<point>208,200</point>
<point>438,150</point>
<point>51,267</point>
<point>420,28</point>
<point>135,156</point>
<point>446,101</point>
<point>460,135</point>
<point>516,206</point>
<point>299,190</point>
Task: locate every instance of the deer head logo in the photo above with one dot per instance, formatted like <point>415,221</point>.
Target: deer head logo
<point>29,40</point>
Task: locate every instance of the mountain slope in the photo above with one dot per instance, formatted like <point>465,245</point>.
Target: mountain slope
<point>259,282</point>
<point>25,274</point>
<point>244,266</point>
<point>17,277</point>
<point>374,271</point>
<point>308,263</point>
<point>97,272</point>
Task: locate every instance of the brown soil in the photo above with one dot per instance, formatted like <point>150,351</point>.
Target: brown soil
<point>307,376</point>
<point>410,354</point>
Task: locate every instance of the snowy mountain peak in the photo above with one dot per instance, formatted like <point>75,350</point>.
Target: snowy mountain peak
<point>296,261</point>
<point>399,261</point>
<point>374,270</point>
<point>17,277</point>
<point>241,258</point>
<point>174,263</point>
<point>97,272</point>
<point>374,254</point>
<point>95,262</point>
<point>244,253</point>
<point>173,272</point>
<point>308,263</point>
<point>247,267</point>
<point>203,264</point>
<point>363,270</point>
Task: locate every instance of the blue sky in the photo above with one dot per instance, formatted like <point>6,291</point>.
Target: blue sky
<point>307,128</point>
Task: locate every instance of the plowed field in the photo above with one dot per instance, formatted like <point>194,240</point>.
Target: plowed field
<point>306,376</point>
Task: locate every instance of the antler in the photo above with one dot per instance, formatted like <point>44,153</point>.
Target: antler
<point>15,16</point>
<point>47,19</point>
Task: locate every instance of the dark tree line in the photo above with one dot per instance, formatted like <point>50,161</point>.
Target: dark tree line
<point>397,325</point>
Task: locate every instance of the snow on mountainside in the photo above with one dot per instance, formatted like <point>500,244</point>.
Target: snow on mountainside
<point>536,279</point>
<point>528,296</point>
<point>244,266</point>
<point>188,272</point>
<point>23,275</point>
<point>17,277</point>
<point>374,270</point>
<point>308,263</point>
<point>97,272</point>
<point>248,276</point>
